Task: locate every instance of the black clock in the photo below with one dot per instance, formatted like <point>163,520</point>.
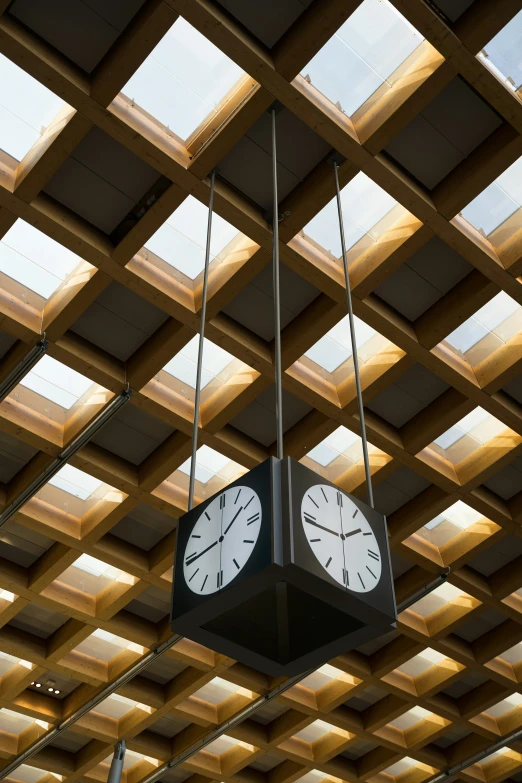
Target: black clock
<point>282,571</point>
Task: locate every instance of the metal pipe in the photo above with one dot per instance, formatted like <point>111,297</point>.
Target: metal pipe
<point>195,426</point>
<point>277,296</point>
<point>142,664</point>
<point>250,709</point>
<point>119,682</point>
<point>76,444</point>
<point>117,763</point>
<point>24,367</point>
<point>428,588</point>
<point>354,342</point>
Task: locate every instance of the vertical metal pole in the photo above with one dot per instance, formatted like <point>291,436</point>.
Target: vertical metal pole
<point>117,763</point>
<point>192,478</point>
<point>354,343</point>
<point>277,298</point>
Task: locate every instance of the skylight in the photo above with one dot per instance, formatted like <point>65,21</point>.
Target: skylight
<point>459,514</point>
<point>362,55</point>
<point>436,599</point>
<point>490,328</point>
<point>97,567</point>
<point>363,204</point>
<point>34,259</point>
<point>26,109</point>
<point>506,705</point>
<point>421,662</point>
<point>497,202</point>
<point>180,241</point>
<point>342,442</point>
<point>184,365</point>
<point>76,483</point>
<point>502,54</point>
<point>56,382</point>
<point>467,435</point>
<point>336,347</point>
<point>183,80</point>
<point>400,766</point>
<point>209,463</point>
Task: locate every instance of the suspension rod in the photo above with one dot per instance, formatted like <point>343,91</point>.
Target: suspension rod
<point>354,342</point>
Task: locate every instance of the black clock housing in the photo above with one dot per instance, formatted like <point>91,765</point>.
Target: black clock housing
<point>283,613</point>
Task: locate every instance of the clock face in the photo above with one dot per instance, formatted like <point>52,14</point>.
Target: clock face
<point>222,540</point>
<point>341,538</point>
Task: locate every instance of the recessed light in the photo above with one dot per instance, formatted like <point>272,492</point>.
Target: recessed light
<point>32,682</point>
<point>51,690</point>
<point>38,684</point>
<point>57,692</point>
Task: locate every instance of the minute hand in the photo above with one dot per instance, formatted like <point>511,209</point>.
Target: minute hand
<point>191,560</point>
<point>327,529</point>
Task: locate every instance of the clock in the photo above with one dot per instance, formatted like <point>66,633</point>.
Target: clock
<point>222,540</point>
<point>341,538</point>
<point>282,571</point>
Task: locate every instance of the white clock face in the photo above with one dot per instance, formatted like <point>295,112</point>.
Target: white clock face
<point>341,538</point>
<point>222,540</point>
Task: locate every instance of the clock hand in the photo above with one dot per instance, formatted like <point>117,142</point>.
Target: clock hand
<point>327,529</point>
<point>189,562</point>
<point>233,520</point>
<point>352,532</point>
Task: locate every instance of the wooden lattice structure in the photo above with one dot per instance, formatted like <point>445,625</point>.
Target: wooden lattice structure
<point>365,700</point>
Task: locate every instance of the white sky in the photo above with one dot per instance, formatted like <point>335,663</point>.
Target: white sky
<point>183,79</point>
<point>26,109</point>
<point>76,483</point>
<point>363,204</point>
<point>56,382</point>
<point>335,347</point>
<point>34,259</point>
<point>364,52</point>
<point>184,365</point>
<point>483,322</point>
<point>498,201</point>
<point>181,240</point>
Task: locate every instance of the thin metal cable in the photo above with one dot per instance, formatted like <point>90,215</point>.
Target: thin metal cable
<point>200,348</point>
<point>354,343</point>
<point>277,297</point>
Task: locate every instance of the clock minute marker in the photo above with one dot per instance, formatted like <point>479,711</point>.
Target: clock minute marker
<point>324,493</point>
<point>360,577</point>
<point>328,563</point>
<point>313,501</point>
<point>371,572</point>
<point>367,534</point>
<point>252,519</point>
<point>373,555</point>
<point>355,513</point>
<point>235,563</point>
<point>249,502</point>
<point>204,582</point>
<point>247,541</point>
<point>193,575</point>
<point>237,496</point>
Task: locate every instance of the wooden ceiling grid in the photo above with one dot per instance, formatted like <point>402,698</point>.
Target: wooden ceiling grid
<point>273,75</point>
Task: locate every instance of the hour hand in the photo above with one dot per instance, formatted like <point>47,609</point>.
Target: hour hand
<point>190,560</point>
<point>321,527</point>
<point>352,532</point>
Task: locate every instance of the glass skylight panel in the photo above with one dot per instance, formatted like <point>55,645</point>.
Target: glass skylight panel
<point>56,382</point>
<point>362,55</point>
<point>342,442</point>
<point>336,346</point>
<point>209,464</point>
<point>488,329</point>
<point>459,514</point>
<point>76,483</point>
<point>506,705</point>
<point>469,433</point>
<point>183,80</point>
<point>497,202</point>
<point>184,365</point>
<point>436,599</point>
<point>421,662</point>
<point>400,766</point>
<point>363,204</point>
<point>26,109</point>
<point>34,259</point>
<point>180,241</point>
<point>502,54</point>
